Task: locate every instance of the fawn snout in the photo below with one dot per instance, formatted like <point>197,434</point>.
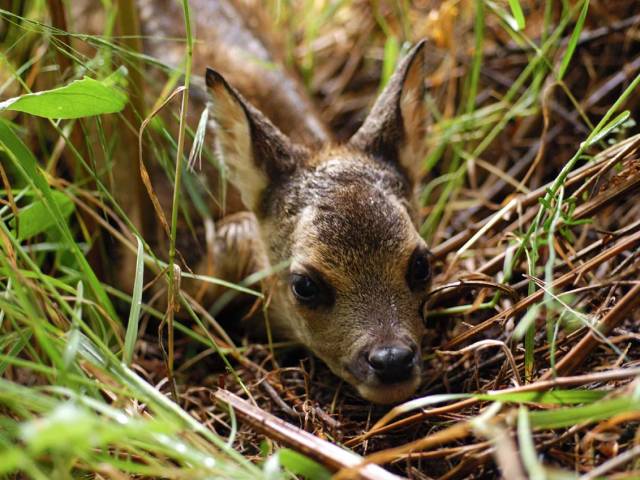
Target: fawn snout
<point>392,363</point>
<point>386,372</point>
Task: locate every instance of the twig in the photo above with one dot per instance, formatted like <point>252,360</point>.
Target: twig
<point>612,463</point>
<point>328,454</point>
<point>584,347</point>
<point>575,178</point>
<point>267,387</point>
<point>566,279</point>
<point>449,434</point>
<point>485,344</point>
<point>472,283</point>
<point>539,386</point>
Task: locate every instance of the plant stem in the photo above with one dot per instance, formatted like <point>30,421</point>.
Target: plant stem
<point>172,304</point>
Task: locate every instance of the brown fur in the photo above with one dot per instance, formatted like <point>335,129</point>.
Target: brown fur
<point>344,216</point>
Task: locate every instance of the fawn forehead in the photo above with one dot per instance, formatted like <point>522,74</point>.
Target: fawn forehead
<point>342,175</point>
<point>351,213</point>
<point>360,220</point>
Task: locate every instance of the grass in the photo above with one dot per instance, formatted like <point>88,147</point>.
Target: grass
<point>108,361</point>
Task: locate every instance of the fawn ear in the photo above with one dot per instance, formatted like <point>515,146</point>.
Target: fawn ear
<point>255,152</point>
<point>395,129</point>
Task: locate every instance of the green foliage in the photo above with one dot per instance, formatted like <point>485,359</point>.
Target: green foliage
<point>553,397</point>
<point>81,98</point>
<point>516,10</point>
<point>391,54</point>
<point>35,218</point>
<point>28,168</point>
<point>588,413</point>
<point>289,460</point>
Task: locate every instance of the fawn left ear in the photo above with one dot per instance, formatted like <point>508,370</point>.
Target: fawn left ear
<point>395,129</point>
<point>255,152</point>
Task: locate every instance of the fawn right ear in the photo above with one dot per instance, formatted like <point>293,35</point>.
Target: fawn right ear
<point>255,152</point>
<point>394,131</point>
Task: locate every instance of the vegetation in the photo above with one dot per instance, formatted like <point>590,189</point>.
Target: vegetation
<point>110,369</point>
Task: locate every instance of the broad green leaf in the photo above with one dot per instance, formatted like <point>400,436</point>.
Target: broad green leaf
<point>35,218</point>
<point>81,98</point>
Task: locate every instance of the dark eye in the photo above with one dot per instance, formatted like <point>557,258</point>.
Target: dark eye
<point>311,289</point>
<point>304,288</point>
<point>419,272</point>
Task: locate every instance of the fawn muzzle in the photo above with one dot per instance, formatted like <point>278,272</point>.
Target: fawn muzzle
<point>392,363</point>
<point>386,372</point>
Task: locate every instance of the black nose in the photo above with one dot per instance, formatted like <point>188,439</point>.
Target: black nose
<point>392,364</point>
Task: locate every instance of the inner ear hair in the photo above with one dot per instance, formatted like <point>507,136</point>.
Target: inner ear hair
<point>254,150</point>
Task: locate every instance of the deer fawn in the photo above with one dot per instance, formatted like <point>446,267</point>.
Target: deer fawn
<point>345,217</point>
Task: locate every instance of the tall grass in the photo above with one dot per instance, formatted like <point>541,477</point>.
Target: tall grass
<point>71,404</point>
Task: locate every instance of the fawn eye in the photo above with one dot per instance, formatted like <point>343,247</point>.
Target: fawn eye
<point>304,288</point>
<point>419,272</point>
<point>311,290</point>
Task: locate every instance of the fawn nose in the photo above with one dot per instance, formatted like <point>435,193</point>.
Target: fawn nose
<point>392,364</point>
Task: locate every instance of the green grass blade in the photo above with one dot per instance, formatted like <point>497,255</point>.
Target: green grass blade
<point>573,41</point>
<point>391,52</point>
<point>610,127</point>
<point>567,417</point>
<point>527,447</point>
<point>136,302</point>
<point>516,10</point>
<point>554,397</point>
<point>27,166</point>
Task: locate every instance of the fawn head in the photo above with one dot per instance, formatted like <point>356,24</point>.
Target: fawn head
<point>344,216</point>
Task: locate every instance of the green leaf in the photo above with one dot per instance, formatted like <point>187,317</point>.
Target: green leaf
<point>554,397</point>
<point>516,10</point>
<point>35,218</point>
<point>81,98</point>
<point>295,463</point>
<point>608,128</point>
